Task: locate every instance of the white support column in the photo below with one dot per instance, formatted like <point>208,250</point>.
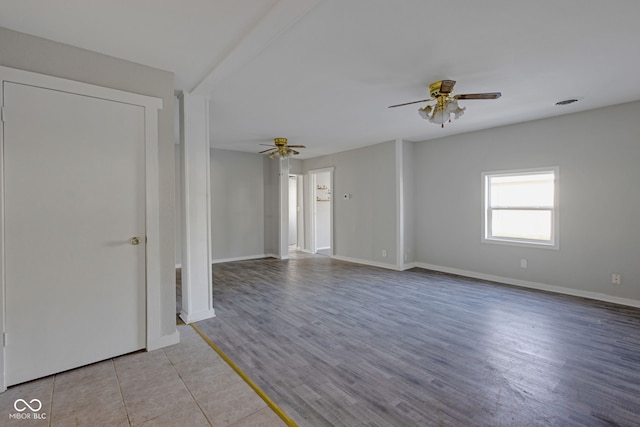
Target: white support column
<point>399,205</point>
<point>284,209</point>
<point>197,285</point>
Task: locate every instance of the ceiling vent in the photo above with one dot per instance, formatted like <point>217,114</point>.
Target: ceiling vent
<point>567,101</point>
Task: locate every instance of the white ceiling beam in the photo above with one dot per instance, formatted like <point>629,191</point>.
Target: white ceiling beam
<point>283,15</point>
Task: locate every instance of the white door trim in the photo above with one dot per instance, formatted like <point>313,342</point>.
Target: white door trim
<point>152,197</point>
<point>313,208</point>
<point>283,183</point>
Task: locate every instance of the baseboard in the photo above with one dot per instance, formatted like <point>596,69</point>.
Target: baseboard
<point>533,285</point>
<point>240,258</point>
<point>395,267</point>
<point>408,266</point>
<point>163,341</point>
<point>281,257</point>
<point>196,317</point>
<point>366,262</point>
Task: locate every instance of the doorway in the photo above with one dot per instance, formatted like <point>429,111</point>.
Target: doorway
<point>296,213</point>
<point>293,213</point>
<point>322,211</point>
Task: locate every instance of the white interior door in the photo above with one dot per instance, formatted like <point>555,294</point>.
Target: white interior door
<point>73,199</point>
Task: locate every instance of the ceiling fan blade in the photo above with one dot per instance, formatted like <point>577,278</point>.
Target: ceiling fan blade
<point>489,95</point>
<point>268,149</point>
<point>447,86</point>
<point>296,146</point>
<point>409,103</point>
<point>267,145</point>
<point>294,151</point>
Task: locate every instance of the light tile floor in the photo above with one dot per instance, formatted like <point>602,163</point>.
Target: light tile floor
<point>187,384</point>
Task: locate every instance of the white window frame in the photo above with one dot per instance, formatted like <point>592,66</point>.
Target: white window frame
<point>554,242</point>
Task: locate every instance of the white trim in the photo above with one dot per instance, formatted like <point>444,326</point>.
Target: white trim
<point>42,80</point>
<point>201,315</point>
<point>312,201</point>
<point>555,211</point>
<point>197,288</point>
<point>283,199</point>
<point>409,266</point>
<point>272,256</point>
<point>240,258</point>
<point>366,262</point>
<point>399,204</point>
<point>320,170</point>
<point>153,275</point>
<point>311,183</point>
<point>533,285</point>
<point>3,385</point>
<point>300,225</point>
<point>163,341</point>
<point>152,197</point>
<point>499,279</point>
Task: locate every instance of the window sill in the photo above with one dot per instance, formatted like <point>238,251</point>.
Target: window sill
<point>521,243</point>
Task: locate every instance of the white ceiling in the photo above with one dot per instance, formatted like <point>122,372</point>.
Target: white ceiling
<point>322,72</point>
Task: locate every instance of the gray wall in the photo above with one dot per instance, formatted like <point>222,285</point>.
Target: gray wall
<point>409,199</point>
<point>30,53</point>
<point>237,205</point>
<point>295,166</point>
<point>271,181</point>
<point>365,224</point>
<point>598,153</point>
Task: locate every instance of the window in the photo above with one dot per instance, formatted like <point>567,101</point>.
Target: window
<point>521,207</point>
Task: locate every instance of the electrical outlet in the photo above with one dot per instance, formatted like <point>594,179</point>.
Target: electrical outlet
<point>523,263</point>
<point>616,279</point>
<point>384,252</point>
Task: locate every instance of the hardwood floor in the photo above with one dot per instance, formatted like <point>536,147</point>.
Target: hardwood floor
<point>341,344</point>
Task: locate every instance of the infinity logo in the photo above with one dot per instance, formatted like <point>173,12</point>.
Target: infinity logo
<point>26,405</point>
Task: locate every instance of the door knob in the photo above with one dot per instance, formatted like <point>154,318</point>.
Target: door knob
<point>134,240</point>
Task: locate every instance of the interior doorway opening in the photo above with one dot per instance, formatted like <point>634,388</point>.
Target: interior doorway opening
<point>296,213</point>
<point>322,211</point>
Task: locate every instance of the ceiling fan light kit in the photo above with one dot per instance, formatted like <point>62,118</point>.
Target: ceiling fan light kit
<point>280,148</point>
<point>446,104</point>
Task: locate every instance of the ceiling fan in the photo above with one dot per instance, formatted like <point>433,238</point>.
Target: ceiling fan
<point>446,103</point>
<point>280,148</point>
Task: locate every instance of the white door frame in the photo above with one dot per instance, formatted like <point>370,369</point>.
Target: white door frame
<point>283,183</point>
<point>151,105</point>
<point>301,212</point>
<point>293,224</point>
<point>313,208</point>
